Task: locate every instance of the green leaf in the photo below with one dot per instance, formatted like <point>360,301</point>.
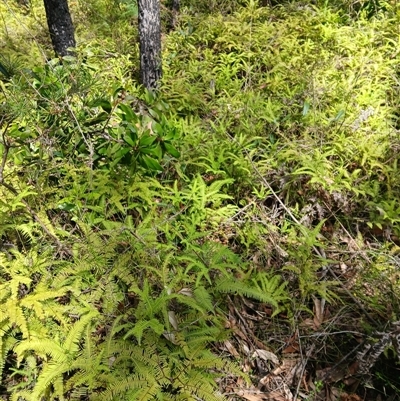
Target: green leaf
<point>171,150</point>
<point>157,128</point>
<point>103,116</point>
<point>105,104</point>
<point>114,149</point>
<point>154,150</point>
<point>122,152</point>
<point>158,151</point>
<point>149,96</point>
<point>147,139</point>
<point>4,70</point>
<point>66,206</point>
<point>128,114</point>
<point>116,90</point>
<point>172,134</point>
<point>154,113</point>
<point>151,164</point>
<point>339,115</point>
<point>132,131</point>
<point>127,138</point>
<point>70,59</point>
<point>306,108</point>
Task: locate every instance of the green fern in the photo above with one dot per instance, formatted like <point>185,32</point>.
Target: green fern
<point>264,288</point>
<point>58,357</point>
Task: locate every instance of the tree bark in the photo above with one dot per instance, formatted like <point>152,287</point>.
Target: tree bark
<point>60,26</point>
<point>175,12</point>
<point>150,43</point>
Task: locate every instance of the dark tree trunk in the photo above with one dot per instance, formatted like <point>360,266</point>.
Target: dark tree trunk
<point>150,43</point>
<point>24,3</point>
<point>175,12</point>
<point>60,26</point>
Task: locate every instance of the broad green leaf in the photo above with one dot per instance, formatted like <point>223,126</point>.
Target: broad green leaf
<point>171,150</point>
<point>129,140</point>
<point>147,139</point>
<point>128,114</point>
<point>157,128</point>
<point>105,104</point>
<point>172,134</point>
<point>154,113</point>
<point>151,164</point>
<point>66,206</point>
<point>103,116</point>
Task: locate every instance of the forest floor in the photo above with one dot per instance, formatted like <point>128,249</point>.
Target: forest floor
<point>247,212</point>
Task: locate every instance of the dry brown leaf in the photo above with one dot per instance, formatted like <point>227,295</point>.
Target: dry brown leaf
<point>231,349</point>
<point>350,397</point>
<point>254,395</point>
<point>352,243</point>
<point>319,308</point>
<point>251,395</point>
<point>291,349</point>
<point>186,291</point>
<point>292,345</point>
<point>247,366</point>
<point>308,323</point>
<point>172,319</point>
<point>288,393</point>
<point>331,394</point>
<point>287,365</point>
<point>278,396</point>
<point>353,368</point>
<point>266,356</point>
<point>343,268</point>
<point>330,375</point>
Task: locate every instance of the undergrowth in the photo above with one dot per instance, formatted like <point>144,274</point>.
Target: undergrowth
<point>134,226</point>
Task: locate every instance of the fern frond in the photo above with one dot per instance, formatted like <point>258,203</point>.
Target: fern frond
<point>5,291</point>
<point>123,270</point>
<point>28,231</point>
<point>204,335</point>
<point>7,342</point>
<point>240,288</point>
<point>191,302</point>
<point>16,316</point>
<point>15,283</point>
<point>199,384</point>
<point>71,343</point>
<point>135,387</point>
<point>203,297</point>
<point>58,386</point>
<point>22,395</point>
<point>51,373</point>
<point>42,347</point>
<point>42,296</point>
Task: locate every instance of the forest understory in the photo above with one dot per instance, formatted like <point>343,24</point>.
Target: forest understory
<point>232,235</point>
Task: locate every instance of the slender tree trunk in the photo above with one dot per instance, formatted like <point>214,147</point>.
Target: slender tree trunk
<point>24,3</point>
<point>150,43</point>
<point>175,12</point>
<point>60,26</point>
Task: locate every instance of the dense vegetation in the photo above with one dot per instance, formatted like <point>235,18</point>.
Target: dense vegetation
<point>233,236</point>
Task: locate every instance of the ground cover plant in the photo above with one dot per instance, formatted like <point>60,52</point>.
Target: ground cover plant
<point>234,235</point>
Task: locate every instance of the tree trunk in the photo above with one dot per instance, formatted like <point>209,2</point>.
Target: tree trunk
<point>150,43</point>
<point>60,26</point>
<point>24,3</point>
<point>175,12</point>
